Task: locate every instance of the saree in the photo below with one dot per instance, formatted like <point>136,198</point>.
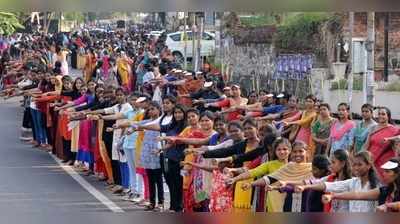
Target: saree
<point>381,151</point>
<point>103,150</point>
<point>361,133</point>
<point>321,130</point>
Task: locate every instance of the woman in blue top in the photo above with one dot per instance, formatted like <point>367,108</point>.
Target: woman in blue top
<point>171,124</point>
<point>150,158</point>
<point>363,128</point>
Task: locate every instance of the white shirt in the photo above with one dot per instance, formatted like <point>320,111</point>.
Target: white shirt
<point>352,185</point>
<point>116,155</point>
<point>148,76</point>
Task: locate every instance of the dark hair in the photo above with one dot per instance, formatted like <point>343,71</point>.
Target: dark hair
<point>325,105</point>
<point>152,104</point>
<point>343,156</point>
<point>388,112</point>
<point>235,124</point>
<point>171,98</point>
<point>253,92</point>
<point>311,97</point>
<point>322,163</point>
<point>396,182</point>
<point>119,89</point>
<point>271,134</point>
<point>275,145</point>
<point>372,177</point>
<point>193,110</point>
<point>368,107</point>
<point>79,78</point>
<point>208,114</point>
<point>347,106</point>
<point>251,122</point>
<point>179,125</point>
<point>219,119</point>
<point>301,144</point>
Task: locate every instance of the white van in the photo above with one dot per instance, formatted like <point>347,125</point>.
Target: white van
<point>176,43</point>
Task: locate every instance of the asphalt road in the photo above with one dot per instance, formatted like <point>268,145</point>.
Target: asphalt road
<point>31,180</point>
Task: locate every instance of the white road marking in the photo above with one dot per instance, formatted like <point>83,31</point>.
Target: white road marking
<point>87,186</point>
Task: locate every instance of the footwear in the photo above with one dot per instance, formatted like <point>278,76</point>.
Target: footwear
<point>149,207</point>
<point>65,161</point>
<point>137,199</point>
<point>71,163</point>
<point>125,192</point>
<point>118,190</point>
<point>160,207</point>
<point>129,196</point>
<point>22,138</point>
<point>88,173</point>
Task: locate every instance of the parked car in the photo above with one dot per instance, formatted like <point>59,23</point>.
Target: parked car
<point>155,34</point>
<point>176,43</point>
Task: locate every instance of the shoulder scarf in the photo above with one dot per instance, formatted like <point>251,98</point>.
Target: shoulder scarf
<point>293,172</point>
<point>338,133</point>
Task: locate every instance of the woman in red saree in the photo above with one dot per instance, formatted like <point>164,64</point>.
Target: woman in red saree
<point>380,149</point>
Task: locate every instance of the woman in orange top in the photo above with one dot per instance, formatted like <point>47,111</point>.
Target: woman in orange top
<point>307,117</point>
<point>231,103</point>
<point>89,65</point>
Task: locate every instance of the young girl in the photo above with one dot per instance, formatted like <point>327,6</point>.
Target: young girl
<point>387,196</point>
<point>307,117</point>
<point>321,129</point>
<point>342,131</point>
<point>242,198</point>
<point>297,170</point>
<point>312,199</point>
<point>150,159</point>
<point>171,124</point>
<point>282,149</point>
<point>365,179</point>
<point>340,171</point>
<point>221,197</point>
<point>364,127</point>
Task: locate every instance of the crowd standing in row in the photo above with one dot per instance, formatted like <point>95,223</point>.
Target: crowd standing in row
<point>136,118</point>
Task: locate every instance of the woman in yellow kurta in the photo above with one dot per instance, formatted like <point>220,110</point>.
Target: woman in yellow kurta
<point>123,67</point>
<point>307,117</point>
<point>297,170</point>
<point>274,200</point>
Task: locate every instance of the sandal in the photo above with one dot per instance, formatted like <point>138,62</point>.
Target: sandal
<point>149,207</point>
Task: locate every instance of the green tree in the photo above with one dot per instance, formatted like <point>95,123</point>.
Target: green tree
<point>9,23</point>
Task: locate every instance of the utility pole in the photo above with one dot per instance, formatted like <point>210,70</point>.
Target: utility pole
<point>370,81</point>
<point>386,47</point>
<point>194,28</point>
<point>186,39</point>
<point>350,68</point>
<point>199,37</point>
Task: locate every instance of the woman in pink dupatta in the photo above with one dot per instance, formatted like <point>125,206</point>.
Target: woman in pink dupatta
<point>380,149</point>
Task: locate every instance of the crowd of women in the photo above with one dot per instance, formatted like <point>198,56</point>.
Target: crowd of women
<point>217,150</point>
